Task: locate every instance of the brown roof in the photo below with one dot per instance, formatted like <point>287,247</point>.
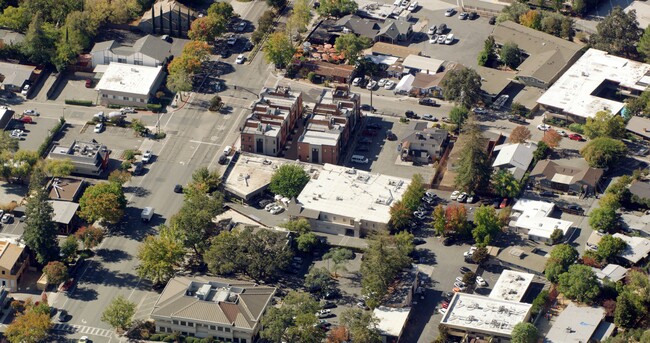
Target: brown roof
<point>574,174</point>
<point>330,69</point>
<point>639,126</point>
<point>381,48</point>
<point>243,304</point>
<point>426,81</point>
<point>9,254</point>
<point>65,188</point>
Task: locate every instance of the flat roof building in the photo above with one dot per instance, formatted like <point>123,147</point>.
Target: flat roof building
<point>579,324</point>
<point>530,259</point>
<point>637,248</point>
<point>531,217</point>
<point>128,84</point>
<point>391,321</point>
<point>65,188</point>
<point>591,85</point>
<point>422,64</point>
<point>89,158</point>
<point>273,117</point>
<point>483,316</point>
<point>511,285</point>
<point>349,201</point>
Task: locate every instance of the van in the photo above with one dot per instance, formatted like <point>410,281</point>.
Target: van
<point>359,159</point>
<point>147,214</point>
<point>397,2</point>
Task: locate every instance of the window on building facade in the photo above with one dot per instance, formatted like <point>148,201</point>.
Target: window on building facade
<point>125,98</point>
<point>212,327</point>
<point>107,60</point>
<point>137,62</point>
<point>219,328</point>
<point>121,60</point>
<point>104,95</point>
<point>183,323</point>
<point>175,322</point>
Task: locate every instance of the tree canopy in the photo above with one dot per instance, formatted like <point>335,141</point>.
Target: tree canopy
<point>294,322</point>
<point>160,255</point>
<point>463,86</point>
<point>119,313</point>
<point>486,225</point>
<point>604,152</point>
<point>288,180</point>
<point>31,325</point>
<point>40,231</point>
<point>605,124</point>
<point>617,34</point>
<point>579,283</point>
<point>473,170</point>
<point>510,54</point>
<point>609,247</point>
<point>505,184</point>
<point>562,256</point>
<point>279,50</point>
<point>362,325</point>
<point>351,45</point>
<point>337,8</point>
<point>519,134</point>
<point>105,201</point>
<point>524,332</point>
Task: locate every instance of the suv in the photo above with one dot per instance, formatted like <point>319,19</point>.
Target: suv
<point>441,29</point>
<point>146,157</point>
<point>518,120</point>
<point>411,114</point>
<point>428,102</point>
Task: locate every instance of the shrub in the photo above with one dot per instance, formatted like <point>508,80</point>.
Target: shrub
<point>114,106</point>
<point>578,128</point>
<point>257,36</point>
<point>78,102</point>
<point>129,155</point>
<point>125,165</point>
<point>581,36</point>
<point>157,337</point>
<point>154,107</point>
<point>44,148</point>
<point>215,103</point>
<point>311,76</point>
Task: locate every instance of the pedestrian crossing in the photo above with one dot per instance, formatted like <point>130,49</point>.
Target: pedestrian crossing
<point>88,330</point>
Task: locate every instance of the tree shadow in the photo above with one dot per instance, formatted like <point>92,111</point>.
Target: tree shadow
<point>83,294</point>
<point>113,255</point>
<point>137,191</point>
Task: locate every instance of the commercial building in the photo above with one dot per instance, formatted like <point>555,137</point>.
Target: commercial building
<point>330,127</point>
<point>422,144</point>
<point>64,214</point>
<point>394,313</point>
<point>580,324</point>
<point>345,201</point>
<point>228,310</point>
<point>389,30</point>
<point>127,84</point>
<point>566,176</point>
<point>639,126</point>
<point>515,158</point>
<point>422,64</point>
<point>532,218</point>
<point>511,286</point>
<point>89,158</point>
<point>273,117</point>
<point>483,317</point>
<point>150,51</point>
<point>596,82</point>
<point>387,49</point>
<point>391,322</point>
<point>526,258</point>
<point>65,188</point>
<point>14,259</point>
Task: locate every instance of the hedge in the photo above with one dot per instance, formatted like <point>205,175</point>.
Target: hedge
<point>154,107</point>
<point>78,102</point>
<point>43,149</point>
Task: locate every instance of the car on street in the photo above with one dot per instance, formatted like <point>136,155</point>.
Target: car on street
<point>31,113</point>
<point>548,194</point>
<point>63,316</point>
<point>138,168</point>
<point>126,110</point>
<point>227,150</point>
<point>371,85</point>
<point>464,270</point>
<point>429,117</point>
<point>449,12</point>
<point>454,195</point>
<point>576,137</point>
<point>428,102</point>
<point>543,127</point>
<point>389,84</point>
<point>178,189</point>
<point>240,59</point>
<point>411,114</point>
<point>576,208</point>
<point>432,30</point>
<point>442,39</point>
<point>146,156</point>
<point>492,20</point>
<point>462,197</point>
<point>518,120</point>
<point>99,127</point>
<point>561,133</point>
<point>25,90</point>
<point>356,81</point>
<point>463,15</point>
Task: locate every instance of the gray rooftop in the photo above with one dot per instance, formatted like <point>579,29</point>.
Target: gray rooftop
<point>575,324</point>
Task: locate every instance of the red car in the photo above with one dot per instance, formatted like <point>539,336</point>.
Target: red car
<point>575,137</point>
<point>504,203</point>
<point>26,120</point>
<point>89,83</point>
<point>444,304</point>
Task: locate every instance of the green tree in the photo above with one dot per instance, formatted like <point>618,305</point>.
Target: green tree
<point>319,279</point>
<point>205,181</point>
<point>40,230</point>
<point>463,86</point>
<point>58,168</point>
<point>207,28</point>
<point>294,322</point>
<point>400,216</point>
<point>69,248</point>
<point>458,115</point>
<point>604,152</point>
<point>15,18</point>
<point>617,34</point>
<point>215,103</point>
<point>161,255</point>
<point>7,144</point>
<point>552,24</point>
<point>579,283</point>
<point>278,4</point>
<point>307,242</point>
<point>486,225</point>
<point>119,176</point>
<point>119,313</point>
<point>137,126</point>
<point>556,236</point>
<point>90,236</point>
<point>104,201</point>
<point>337,8</point>
<point>195,217</point>
<point>412,197</point>
<point>179,81</point>
<point>605,124</point>
<point>603,219</point>
<point>609,247</point>
<point>338,256</point>
<point>56,272</point>
<point>32,326</point>
<point>562,256</point>
<point>510,54</point>
<point>629,310</point>
<point>513,12</point>
<point>473,170</point>
<point>279,50</point>
<point>223,255</point>
<point>362,325</point>
<point>480,255</point>
<point>439,222</point>
<point>541,152</point>
<point>524,332</point>
<point>504,184</point>
<point>300,15</point>
<point>352,45</point>
<point>288,180</point>
<point>37,46</point>
<point>643,47</point>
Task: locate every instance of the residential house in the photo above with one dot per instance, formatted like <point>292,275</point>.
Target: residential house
<point>639,126</point>
<point>14,259</point>
<point>328,132</point>
<point>346,201</point>
<point>611,272</point>
<point>422,64</point>
<point>202,306</point>
<point>15,76</point>
<point>341,73</point>
<point>637,249</point>
<point>596,82</point>
<point>423,145</point>
<point>150,51</point>
<point>388,49</point>
<point>580,323</point>
<point>533,218</point>
<point>167,17</point>
<point>566,177</point>
<point>8,37</point>
<point>515,158</point>
<point>88,158</point>
<point>389,30</point>
<point>273,117</point>
<point>129,85</point>
<point>428,84</point>
<point>640,191</point>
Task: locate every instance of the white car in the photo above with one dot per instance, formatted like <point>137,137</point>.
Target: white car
<point>25,90</point>
<point>240,59</point>
<point>449,12</point>
<point>99,127</point>
<point>433,39</point>
<point>463,15</point>
<point>6,218</point>
<point>356,81</point>
<point>389,84</point>
<point>432,30</point>
<point>382,82</point>
<point>480,110</point>
<point>371,85</point>
<point>449,39</point>
<point>543,127</point>
<point>480,281</point>
<point>454,195</point>
<point>126,110</point>
<point>31,113</point>
<point>562,133</point>
<point>146,157</point>
<point>460,284</point>
<point>459,279</point>
<point>277,209</point>
<point>17,133</point>
<point>404,3</point>
<point>227,150</point>
<point>442,311</point>
<point>441,39</point>
<point>462,197</point>
<point>83,339</point>
<point>270,206</point>
<point>413,6</point>
<point>232,40</point>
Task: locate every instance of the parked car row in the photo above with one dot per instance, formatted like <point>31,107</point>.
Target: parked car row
<point>463,197</point>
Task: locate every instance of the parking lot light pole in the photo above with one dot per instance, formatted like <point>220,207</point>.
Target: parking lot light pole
<point>371,107</point>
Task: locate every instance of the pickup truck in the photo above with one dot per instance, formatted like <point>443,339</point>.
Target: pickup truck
<point>147,214</point>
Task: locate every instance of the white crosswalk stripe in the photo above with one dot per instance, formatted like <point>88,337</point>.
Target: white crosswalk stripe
<point>83,329</point>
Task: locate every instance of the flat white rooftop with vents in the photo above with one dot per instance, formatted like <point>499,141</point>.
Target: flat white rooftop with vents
<point>128,78</point>
<point>533,216</point>
<point>511,285</point>
<point>477,313</point>
<point>352,193</point>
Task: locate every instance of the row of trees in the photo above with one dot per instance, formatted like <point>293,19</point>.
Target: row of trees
<point>550,22</point>
<point>401,212</point>
<point>214,24</point>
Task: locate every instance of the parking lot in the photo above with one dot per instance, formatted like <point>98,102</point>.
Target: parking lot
<point>33,134</point>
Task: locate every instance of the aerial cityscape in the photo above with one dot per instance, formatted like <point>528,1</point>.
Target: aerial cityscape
<point>340,171</point>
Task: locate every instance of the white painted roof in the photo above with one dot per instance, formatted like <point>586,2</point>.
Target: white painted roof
<point>534,218</point>
<point>637,247</point>
<point>511,285</point>
<point>517,155</point>
<point>129,78</point>
<point>575,324</point>
<point>572,92</point>
<point>391,320</point>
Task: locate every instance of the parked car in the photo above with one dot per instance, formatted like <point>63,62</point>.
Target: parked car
<point>449,12</point>
<point>391,136</point>
<point>328,304</point>
<point>99,127</point>
<point>492,20</point>
<point>137,168</point>
<point>504,203</point>
<point>25,90</point>
<point>241,26</point>
<point>480,281</point>
<point>561,133</point>
<point>277,209</point>
<point>462,197</point>
<point>576,137</point>
<point>7,218</point>
<point>442,311</point>
<point>26,120</point>
<point>371,85</point>
<point>472,198</point>
<point>146,156</point>
<point>428,102</point>
<point>126,110</point>
<point>366,107</point>
<point>463,15</point>
<point>240,59</point>
<point>464,270</point>
<point>432,30</point>
<point>356,81</point>
<point>450,39</point>
<point>429,117</point>
<point>232,40</point>
<point>31,113</point>
<point>413,6</point>
<point>454,195</point>
<point>480,110</point>
<point>411,114</point>
<point>382,82</point>
<point>16,133</point>
<point>63,316</point>
<point>459,279</point>
<point>442,28</point>
<point>227,150</point>
<point>518,120</point>
<point>543,127</point>
<point>547,194</point>
<point>178,189</point>
<point>472,15</point>
<point>442,39</point>
<point>448,241</point>
<point>418,241</point>
<point>89,83</point>
<point>389,84</point>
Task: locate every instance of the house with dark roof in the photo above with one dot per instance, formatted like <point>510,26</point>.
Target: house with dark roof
<point>639,126</point>
<point>422,144</point>
<point>202,306</point>
<point>390,30</point>
<point>566,177</point>
<point>148,51</point>
<point>167,17</point>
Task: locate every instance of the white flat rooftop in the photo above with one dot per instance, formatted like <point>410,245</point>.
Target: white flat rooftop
<point>391,320</point>
<point>572,92</point>
<point>637,247</point>
<point>424,64</point>
<point>477,313</point>
<point>329,138</point>
<point>511,285</point>
<point>352,193</point>
<point>575,324</point>
<point>128,78</point>
<point>534,218</point>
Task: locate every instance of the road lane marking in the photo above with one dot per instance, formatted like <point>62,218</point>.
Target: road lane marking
<point>72,328</point>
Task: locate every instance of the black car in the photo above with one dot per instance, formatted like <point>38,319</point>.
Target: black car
<point>473,15</point>
<point>390,135</point>
<point>448,241</point>
<point>366,107</point>
<point>138,168</point>
<point>418,241</point>
<point>464,270</point>
<point>428,102</point>
<point>362,147</point>
<point>547,194</point>
<point>373,126</point>
<point>493,20</point>
<point>518,120</point>
<point>178,189</point>
<point>63,316</point>
<point>328,304</point>
<point>333,294</point>
<point>411,114</point>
